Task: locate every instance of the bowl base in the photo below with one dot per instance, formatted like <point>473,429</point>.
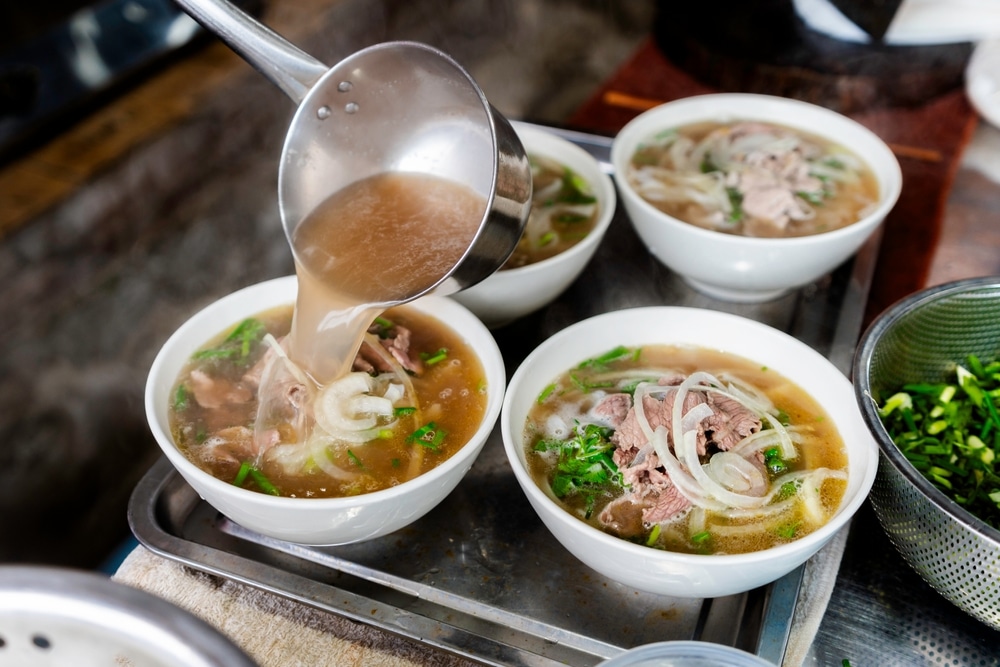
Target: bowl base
<point>737,296</point>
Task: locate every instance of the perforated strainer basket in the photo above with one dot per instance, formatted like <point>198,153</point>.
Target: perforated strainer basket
<point>920,339</point>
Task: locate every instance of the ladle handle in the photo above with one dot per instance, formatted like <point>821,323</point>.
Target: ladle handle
<point>283,63</point>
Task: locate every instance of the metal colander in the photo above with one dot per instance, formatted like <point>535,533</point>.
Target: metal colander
<point>920,339</point>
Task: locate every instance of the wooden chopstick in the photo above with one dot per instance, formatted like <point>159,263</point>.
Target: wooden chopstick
<point>624,100</point>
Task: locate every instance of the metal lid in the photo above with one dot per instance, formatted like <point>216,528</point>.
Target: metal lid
<point>54,616</point>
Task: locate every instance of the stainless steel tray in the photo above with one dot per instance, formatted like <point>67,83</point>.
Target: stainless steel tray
<point>480,575</point>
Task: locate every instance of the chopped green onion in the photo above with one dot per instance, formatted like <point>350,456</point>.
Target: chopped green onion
<point>241,476</point>
<point>701,538</point>
<point>355,460</point>
<point>181,398</point>
<point>431,358</point>
<point>545,393</point>
<point>428,435</point>
<point>263,482</point>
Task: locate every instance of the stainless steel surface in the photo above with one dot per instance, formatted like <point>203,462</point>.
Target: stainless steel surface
<point>404,106</point>
<point>396,106</point>
<point>285,65</point>
<point>53,616</point>
<point>921,339</point>
<point>480,576</point>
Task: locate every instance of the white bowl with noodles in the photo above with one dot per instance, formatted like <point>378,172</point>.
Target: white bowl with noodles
<point>741,268</point>
<point>318,521</point>
<point>657,570</point>
<point>512,293</point>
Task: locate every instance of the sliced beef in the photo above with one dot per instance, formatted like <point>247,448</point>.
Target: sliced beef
<point>396,341</point>
<point>213,393</point>
<point>612,409</point>
<point>225,450</point>
<point>398,345</point>
<point>729,422</point>
<point>629,435</point>
<point>666,505</point>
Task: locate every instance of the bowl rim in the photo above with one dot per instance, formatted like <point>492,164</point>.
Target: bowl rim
<point>604,189</point>
<point>869,412</point>
<point>288,285</point>
<point>890,188</point>
<point>808,543</point>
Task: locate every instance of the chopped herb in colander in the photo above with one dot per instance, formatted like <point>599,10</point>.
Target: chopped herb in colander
<point>950,432</point>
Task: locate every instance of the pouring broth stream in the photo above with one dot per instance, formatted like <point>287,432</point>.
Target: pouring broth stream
<point>381,240</point>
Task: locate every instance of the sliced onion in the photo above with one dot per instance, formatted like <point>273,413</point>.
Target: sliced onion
<point>318,448</point>
<point>737,474</point>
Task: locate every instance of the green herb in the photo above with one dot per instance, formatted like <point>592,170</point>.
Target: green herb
<point>428,435</point>
<point>241,476</point>
<point>950,432</point>
<point>239,344</point>
<point>246,470</point>
<point>773,461</point>
<point>787,490</point>
<point>403,411</point>
<point>601,362</point>
<point>583,462</point>
<point>630,387</point>
<point>575,190</point>
<point>546,238</point>
<point>707,165</point>
<point>263,482</point>
<point>181,398</point>
<point>545,393</point>
<point>431,358</point>
<point>787,531</point>
<point>355,460</point>
<point>736,202</point>
<point>654,535</point>
<point>815,198</point>
<point>382,327</point>
<point>586,385</point>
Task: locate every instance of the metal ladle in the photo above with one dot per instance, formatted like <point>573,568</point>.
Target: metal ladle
<point>396,106</point>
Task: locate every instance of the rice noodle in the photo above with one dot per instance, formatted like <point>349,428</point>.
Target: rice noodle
<point>699,483</point>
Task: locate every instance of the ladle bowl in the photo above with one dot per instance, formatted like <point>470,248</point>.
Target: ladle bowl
<point>396,106</point>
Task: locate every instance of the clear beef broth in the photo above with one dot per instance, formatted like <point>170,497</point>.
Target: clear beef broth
<point>313,417</point>
<point>752,178</point>
<point>647,517</point>
<point>216,399</point>
<point>563,211</point>
<point>381,239</point>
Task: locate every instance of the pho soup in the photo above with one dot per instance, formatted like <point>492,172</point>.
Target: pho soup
<point>686,449</point>
<point>563,211</point>
<point>753,179</point>
<point>415,395</point>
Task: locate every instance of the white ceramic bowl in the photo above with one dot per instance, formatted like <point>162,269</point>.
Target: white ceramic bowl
<point>509,294</point>
<point>318,521</point>
<point>739,268</point>
<point>654,570</point>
